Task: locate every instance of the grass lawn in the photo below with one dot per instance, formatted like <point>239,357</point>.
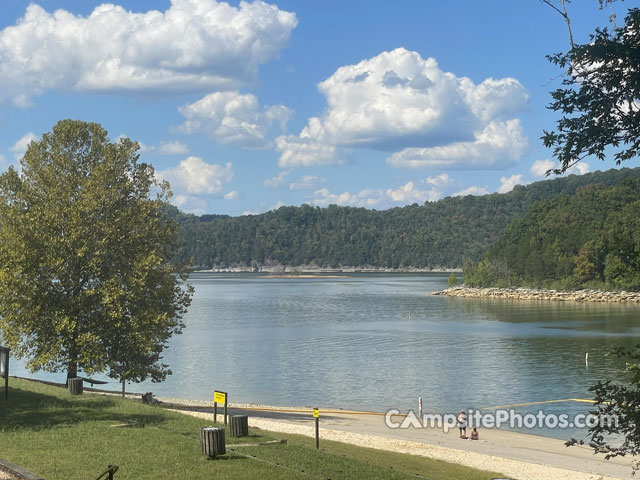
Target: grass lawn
<point>58,436</point>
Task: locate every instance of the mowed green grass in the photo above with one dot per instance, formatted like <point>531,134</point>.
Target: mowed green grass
<point>62,437</point>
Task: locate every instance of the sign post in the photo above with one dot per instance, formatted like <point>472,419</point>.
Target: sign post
<point>316,415</point>
<point>220,397</point>
<point>4,370</point>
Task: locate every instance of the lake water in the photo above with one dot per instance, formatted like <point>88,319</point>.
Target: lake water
<point>381,341</point>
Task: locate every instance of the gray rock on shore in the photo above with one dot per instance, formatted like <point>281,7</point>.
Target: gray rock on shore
<point>535,294</point>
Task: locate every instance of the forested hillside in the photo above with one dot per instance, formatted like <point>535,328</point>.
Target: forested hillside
<point>436,234</point>
<point>591,239</point>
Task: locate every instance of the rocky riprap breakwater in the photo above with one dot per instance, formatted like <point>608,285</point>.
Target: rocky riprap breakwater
<point>533,294</point>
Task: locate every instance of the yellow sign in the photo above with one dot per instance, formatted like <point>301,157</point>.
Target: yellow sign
<point>315,413</point>
<point>219,397</point>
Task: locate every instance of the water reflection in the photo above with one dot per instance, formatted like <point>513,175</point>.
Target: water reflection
<point>350,342</point>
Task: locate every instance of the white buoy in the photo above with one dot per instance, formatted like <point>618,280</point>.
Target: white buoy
<point>586,357</point>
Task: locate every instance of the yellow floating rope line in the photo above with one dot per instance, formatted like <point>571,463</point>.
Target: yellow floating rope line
<point>360,412</point>
<point>310,411</point>
<point>526,404</point>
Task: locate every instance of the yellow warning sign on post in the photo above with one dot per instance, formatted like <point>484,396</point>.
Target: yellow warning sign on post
<point>219,397</point>
<point>315,413</point>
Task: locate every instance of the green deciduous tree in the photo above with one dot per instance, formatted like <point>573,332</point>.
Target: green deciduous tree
<point>436,234</point>
<point>588,262</point>
<point>600,98</point>
<point>587,240</point>
<point>85,282</point>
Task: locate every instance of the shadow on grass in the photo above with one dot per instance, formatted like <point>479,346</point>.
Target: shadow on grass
<point>34,411</point>
<point>227,457</point>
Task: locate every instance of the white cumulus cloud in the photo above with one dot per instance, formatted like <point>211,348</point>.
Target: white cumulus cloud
<point>20,147</point>
<point>441,180</point>
<point>507,183</point>
<point>500,144</point>
<point>541,167</point>
<point>278,180</point>
<point>411,192</point>
<point>173,148</point>
<point>234,118</point>
<point>190,204</point>
<point>232,195</point>
<point>195,45</point>
<point>306,150</point>
<point>402,103</point>
<point>474,190</point>
<point>306,182</point>
<point>365,198</point>
<point>579,168</point>
<point>194,176</point>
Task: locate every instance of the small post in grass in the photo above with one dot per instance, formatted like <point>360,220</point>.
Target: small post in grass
<point>220,397</point>
<point>4,370</point>
<point>316,415</point>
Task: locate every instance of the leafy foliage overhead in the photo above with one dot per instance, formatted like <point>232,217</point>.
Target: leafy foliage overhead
<point>600,98</point>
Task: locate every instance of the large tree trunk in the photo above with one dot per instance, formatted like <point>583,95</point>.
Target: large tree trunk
<point>123,382</point>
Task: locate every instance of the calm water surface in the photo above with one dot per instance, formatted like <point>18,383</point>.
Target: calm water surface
<point>380,341</point>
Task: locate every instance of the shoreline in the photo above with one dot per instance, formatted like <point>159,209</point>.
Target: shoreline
<point>532,294</point>
<point>520,456</point>
<point>321,271</point>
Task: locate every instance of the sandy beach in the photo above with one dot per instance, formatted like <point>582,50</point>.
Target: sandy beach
<point>516,455</point>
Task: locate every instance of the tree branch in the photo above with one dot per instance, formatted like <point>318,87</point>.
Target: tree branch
<point>564,14</point>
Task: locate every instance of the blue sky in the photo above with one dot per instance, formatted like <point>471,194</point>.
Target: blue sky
<point>247,106</point>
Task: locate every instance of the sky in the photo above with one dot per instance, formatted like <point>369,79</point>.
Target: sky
<point>248,106</point>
